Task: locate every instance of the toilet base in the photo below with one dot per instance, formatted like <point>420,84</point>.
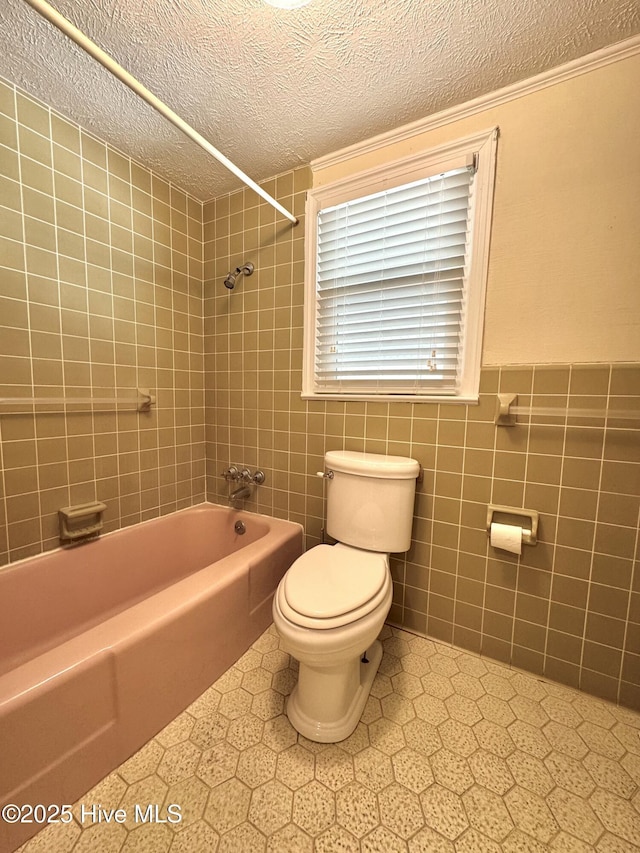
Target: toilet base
<point>334,730</point>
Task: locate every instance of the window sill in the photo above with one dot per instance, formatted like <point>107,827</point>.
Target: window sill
<point>470,400</point>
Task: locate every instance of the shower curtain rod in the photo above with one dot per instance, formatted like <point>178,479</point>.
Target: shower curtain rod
<point>118,71</point>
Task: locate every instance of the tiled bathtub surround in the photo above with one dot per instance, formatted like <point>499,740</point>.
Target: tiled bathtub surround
<point>100,290</point>
<point>454,754</point>
<point>103,267</point>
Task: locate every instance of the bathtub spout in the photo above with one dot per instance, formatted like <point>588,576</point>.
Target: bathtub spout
<point>240,494</point>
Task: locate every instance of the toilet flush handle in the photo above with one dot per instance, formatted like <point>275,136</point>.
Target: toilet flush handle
<point>327,475</point>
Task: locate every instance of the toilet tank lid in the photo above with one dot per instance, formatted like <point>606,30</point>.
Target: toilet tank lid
<point>372,464</point>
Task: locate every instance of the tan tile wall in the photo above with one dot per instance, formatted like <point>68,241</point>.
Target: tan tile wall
<point>570,607</point>
<point>101,271</point>
<point>100,289</point>
<point>253,336</point>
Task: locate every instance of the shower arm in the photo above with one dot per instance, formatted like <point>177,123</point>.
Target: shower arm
<point>118,71</point>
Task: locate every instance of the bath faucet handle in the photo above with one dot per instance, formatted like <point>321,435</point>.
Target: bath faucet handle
<point>245,476</point>
<point>231,473</point>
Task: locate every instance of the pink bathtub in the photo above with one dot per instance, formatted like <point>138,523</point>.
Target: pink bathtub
<point>103,644</point>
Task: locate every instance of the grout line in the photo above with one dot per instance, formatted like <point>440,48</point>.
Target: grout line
<point>628,615</point>
<point>86,273</point>
<point>459,525</point>
<point>593,541</point>
<point>563,426</point>
<point>488,552</point>
<point>30,331</point>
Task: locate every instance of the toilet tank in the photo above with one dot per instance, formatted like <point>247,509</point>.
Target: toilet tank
<point>370,499</point>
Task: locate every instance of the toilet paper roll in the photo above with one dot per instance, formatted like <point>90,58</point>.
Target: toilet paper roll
<point>508,537</point>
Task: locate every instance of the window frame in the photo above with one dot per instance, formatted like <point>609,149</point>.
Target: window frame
<point>479,148</point>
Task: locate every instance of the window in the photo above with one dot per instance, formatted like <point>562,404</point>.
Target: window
<point>395,277</point>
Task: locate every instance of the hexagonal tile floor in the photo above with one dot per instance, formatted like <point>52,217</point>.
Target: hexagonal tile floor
<point>453,753</point>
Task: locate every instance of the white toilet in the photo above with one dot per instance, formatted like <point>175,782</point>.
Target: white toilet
<point>331,604</point>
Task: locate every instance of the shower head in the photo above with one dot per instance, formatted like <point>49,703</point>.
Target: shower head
<point>230,280</point>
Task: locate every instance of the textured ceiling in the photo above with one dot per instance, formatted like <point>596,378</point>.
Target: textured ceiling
<point>271,88</point>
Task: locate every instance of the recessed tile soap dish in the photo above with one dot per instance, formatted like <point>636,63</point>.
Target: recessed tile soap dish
<point>81,521</point>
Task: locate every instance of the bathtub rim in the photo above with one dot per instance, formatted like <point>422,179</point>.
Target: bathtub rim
<point>202,505</point>
<point>12,682</point>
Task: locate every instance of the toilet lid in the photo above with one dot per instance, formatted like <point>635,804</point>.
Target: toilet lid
<point>330,580</point>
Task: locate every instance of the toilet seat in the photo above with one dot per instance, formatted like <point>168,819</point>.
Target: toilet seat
<point>333,585</point>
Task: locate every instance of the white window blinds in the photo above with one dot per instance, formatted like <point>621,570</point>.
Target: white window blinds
<point>391,276</point>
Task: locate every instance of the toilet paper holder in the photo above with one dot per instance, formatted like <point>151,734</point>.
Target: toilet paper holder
<point>514,515</point>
